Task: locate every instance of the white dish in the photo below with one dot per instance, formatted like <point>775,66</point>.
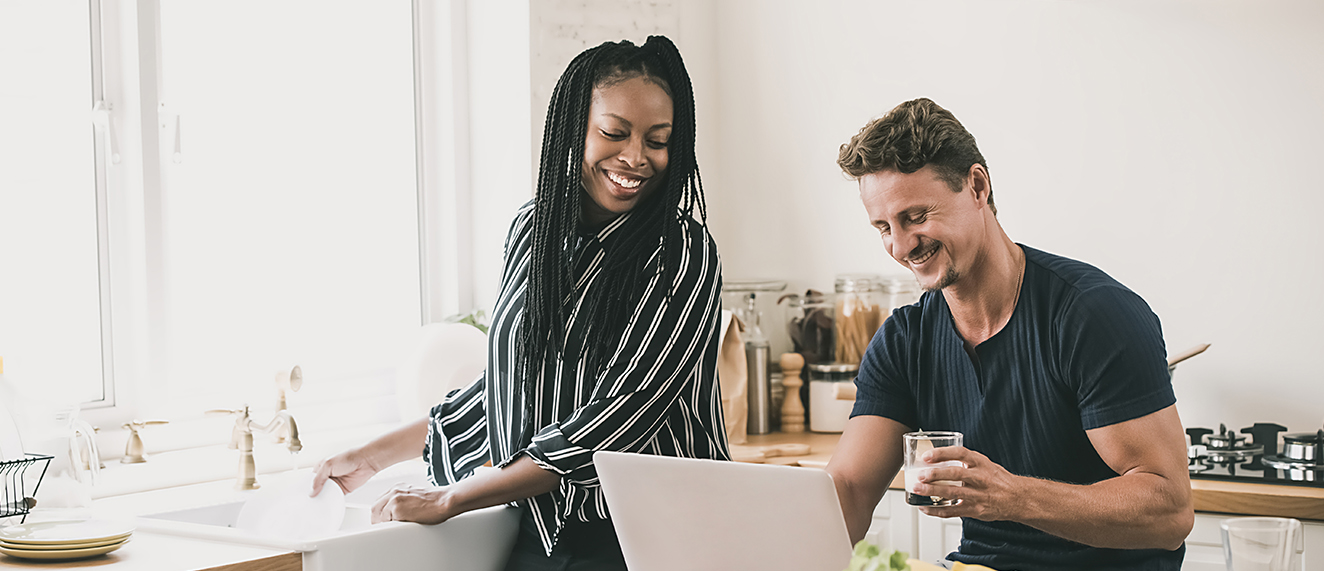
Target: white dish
<point>286,511</point>
<point>63,546</point>
<point>62,554</point>
<point>66,532</point>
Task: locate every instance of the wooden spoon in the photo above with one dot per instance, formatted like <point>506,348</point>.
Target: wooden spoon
<point>1187,354</point>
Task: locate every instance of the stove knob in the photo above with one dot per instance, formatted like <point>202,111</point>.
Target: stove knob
<point>1197,435</point>
<point>1265,434</point>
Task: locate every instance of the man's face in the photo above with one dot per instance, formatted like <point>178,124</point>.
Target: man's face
<point>926,227</point>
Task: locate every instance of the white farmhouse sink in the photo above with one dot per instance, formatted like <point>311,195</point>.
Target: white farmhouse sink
<point>476,541</point>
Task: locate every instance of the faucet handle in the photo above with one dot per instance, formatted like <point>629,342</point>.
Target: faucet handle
<point>134,452</point>
<point>240,424</point>
<point>225,411</point>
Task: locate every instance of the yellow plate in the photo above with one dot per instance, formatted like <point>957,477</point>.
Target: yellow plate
<point>66,532</point>
<point>49,547</point>
<point>59,554</point>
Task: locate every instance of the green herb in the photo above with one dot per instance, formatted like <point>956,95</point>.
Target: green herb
<point>868,557</point>
<point>476,318</point>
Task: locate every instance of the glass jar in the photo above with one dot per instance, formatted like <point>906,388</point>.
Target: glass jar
<point>810,326</point>
<point>859,307</point>
<point>900,291</point>
<point>862,303</point>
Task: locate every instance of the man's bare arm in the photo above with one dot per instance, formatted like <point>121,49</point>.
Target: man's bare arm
<point>1148,506</point>
<point>866,460</point>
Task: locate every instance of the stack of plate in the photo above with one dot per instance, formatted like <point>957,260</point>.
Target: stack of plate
<point>73,539</point>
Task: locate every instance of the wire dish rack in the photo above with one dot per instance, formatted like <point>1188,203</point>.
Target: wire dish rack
<point>15,499</point>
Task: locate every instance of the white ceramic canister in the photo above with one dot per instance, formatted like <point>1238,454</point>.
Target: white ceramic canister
<point>830,397</point>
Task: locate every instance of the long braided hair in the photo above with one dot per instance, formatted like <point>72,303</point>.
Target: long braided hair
<point>608,307</point>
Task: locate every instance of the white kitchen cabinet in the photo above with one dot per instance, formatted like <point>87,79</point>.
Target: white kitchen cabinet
<point>937,536</point>
<point>894,523</point>
<point>1204,546</point>
<point>898,525</point>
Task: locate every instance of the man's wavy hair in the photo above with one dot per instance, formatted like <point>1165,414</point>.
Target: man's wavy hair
<point>912,135</point>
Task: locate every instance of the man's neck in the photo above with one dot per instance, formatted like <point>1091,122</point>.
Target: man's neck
<point>983,301</point>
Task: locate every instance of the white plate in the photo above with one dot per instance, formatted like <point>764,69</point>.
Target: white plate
<point>60,554</point>
<point>286,511</point>
<point>66,532</point>
<point>63,546</point>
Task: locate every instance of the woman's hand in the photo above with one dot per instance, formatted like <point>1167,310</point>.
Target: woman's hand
<point>406,503</point>
<point>349,470</point>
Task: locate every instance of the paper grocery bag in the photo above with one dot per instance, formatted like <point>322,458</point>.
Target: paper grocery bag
<point>732,377</point>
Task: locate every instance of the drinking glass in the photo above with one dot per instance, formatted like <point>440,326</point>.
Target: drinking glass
<point>1262,544</point>
<point>916,444</point>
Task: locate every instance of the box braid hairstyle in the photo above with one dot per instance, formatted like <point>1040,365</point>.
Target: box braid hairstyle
<point>610,305</point>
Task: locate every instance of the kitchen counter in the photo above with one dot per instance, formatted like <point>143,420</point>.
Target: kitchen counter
<point>152,552</point>
<point>1210,496</point>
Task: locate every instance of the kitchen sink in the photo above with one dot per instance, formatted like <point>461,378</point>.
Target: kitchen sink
<point>476,541</point>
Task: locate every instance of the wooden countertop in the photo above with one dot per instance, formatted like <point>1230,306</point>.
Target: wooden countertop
<point>152,552</point>
<point>1239,498</point>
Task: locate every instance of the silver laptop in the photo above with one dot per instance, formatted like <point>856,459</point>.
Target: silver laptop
<point>684,514</point>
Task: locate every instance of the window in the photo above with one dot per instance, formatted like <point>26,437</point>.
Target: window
<point>290,203</point>
<point>52,308</point>
<point>279,226</point>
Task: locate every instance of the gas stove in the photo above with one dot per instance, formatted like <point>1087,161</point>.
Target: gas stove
<point>1253,455</point>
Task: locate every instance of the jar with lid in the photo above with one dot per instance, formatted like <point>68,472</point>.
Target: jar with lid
<point>862,303</point>
<point>830,396</point>
<point>810,325</point>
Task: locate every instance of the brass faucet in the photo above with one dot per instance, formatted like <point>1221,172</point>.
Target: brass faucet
<point>288,380</point>
<point>133,448</point>
<point>242,439</point>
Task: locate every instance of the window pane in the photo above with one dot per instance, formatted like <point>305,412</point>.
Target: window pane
<point>50,312</point>
<point>291,216</point>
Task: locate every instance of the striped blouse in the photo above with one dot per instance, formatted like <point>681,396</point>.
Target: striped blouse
<point>656,395</point>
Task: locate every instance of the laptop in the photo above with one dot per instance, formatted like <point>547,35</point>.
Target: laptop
<point>680,513</point>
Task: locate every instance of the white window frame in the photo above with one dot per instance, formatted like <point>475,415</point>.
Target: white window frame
<point>132,191</point>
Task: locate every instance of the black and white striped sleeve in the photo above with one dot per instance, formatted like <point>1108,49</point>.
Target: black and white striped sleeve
<point>657,360</point>
<point>457,440</point>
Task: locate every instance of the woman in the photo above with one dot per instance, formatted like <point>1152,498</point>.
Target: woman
<point>604,336</point>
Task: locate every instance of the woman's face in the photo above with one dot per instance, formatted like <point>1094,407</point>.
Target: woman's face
<point>625,149</point>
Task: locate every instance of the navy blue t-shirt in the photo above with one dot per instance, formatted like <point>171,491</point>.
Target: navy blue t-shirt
<point>1081,351</point>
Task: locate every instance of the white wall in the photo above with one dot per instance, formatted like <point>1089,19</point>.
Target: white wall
<point>1169,142</point>
<point>499,137</point>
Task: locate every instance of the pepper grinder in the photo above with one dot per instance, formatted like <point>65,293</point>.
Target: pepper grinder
<point>793,412</point>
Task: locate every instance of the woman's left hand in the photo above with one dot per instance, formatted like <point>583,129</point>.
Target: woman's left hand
<point>407,503</point>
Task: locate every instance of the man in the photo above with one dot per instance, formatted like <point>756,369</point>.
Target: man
<point>1074,456</point>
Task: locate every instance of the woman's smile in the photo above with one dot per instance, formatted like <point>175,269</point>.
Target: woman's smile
<point>624,186</point>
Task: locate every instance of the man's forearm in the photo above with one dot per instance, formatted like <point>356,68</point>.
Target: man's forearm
<point>867,458</point>
<point>857,506</point>
<point>1134,511</point>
